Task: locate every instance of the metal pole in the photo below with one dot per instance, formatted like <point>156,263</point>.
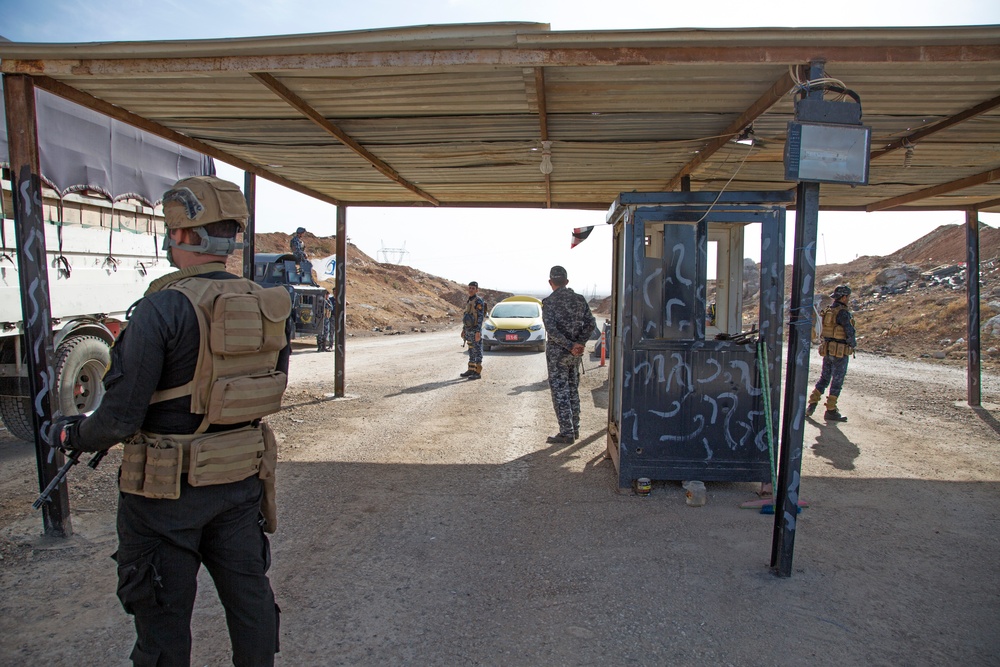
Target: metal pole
<point>972,293</point>
<point>800,322</point>
<point>33,276</point>
<point>340,291</point>
<point>250,236</point>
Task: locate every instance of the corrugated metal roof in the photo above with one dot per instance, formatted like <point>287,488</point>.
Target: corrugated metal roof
<point>455,115</point>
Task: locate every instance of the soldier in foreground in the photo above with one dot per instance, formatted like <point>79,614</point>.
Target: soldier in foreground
<point>204,357</point>
<point>568,326</point>
<point>836,347</point>
<point>472,331</point>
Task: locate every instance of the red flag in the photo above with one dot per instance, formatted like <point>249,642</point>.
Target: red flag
<point>579,235</point>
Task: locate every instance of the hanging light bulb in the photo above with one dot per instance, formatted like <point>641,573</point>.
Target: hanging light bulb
<point>546,166</point>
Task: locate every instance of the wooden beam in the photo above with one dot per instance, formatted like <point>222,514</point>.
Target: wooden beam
<point>118,113</point>
<point>985,205</point>
<point>436,60</point>
<point>543,122</point>
<point>303,107</point>
<point>778,89</point>
<point>943,188</point>
<point>937,127</point>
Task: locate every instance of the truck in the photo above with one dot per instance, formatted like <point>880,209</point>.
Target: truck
<point>308,298</point>
<point>101,258</point>
<point>103,227</point>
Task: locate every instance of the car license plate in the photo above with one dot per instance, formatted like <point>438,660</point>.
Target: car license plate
<point>512,337</point>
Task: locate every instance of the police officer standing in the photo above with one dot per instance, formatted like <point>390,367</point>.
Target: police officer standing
<point>836,347</point>
<point>204,357</point>
<point>568,326</point>
<point>472,331</point>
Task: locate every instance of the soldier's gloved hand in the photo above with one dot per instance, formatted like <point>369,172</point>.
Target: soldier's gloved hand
<point>62,434</point>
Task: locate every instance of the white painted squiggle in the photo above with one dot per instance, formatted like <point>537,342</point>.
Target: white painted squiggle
<point>700,419</point>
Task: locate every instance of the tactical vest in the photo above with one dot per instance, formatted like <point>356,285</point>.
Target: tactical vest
<point>471,316</point>
<point>242,332</point>
<point>834,336</point>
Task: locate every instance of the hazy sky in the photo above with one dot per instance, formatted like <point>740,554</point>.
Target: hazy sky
<point>502,249</point>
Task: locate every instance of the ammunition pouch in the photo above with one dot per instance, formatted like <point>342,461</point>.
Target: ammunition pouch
<point>268,466</point>
<point>835,348</point>
<point>152,464</point>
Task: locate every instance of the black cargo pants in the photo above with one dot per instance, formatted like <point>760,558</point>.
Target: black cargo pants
<point>161,545</point>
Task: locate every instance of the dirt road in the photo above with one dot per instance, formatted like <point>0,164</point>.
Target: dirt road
<point>424,521</point>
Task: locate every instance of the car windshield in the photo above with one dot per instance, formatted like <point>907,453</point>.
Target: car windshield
<point>515,310</point>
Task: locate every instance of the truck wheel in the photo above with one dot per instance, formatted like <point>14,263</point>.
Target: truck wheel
<point>16,414</point>
<point>80,366</point>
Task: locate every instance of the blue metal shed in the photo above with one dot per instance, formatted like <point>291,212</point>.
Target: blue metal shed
<point>687,396</point>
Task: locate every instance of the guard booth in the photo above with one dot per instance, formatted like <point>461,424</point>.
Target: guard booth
<point>687,351</point>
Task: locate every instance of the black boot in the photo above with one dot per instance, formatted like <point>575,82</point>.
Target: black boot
<point>834,416</point>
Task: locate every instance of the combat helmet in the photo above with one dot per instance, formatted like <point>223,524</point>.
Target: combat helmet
<point>841,291</point>
<point>197,201</point>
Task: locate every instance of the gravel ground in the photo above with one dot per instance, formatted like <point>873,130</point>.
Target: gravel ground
<point>424,521</point>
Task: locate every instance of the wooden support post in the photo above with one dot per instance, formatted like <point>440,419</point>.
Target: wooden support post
<point>250,236</point>
<point>972,293</point>
<point>340,318</point>
<point>800,323</point>
<point>33,275</point>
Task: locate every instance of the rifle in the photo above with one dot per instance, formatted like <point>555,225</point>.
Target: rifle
<point>72,458</point>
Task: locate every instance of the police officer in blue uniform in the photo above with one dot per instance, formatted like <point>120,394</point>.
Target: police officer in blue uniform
<point>298,248</point>
<point>472,331</point>
<point>568,326</point>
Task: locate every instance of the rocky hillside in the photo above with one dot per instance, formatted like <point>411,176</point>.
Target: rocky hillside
<point>910,303</point>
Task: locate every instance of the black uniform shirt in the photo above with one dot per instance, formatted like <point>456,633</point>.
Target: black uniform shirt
<point>157,350</point>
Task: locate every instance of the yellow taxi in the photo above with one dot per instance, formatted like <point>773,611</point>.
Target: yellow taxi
<point>515,322</point>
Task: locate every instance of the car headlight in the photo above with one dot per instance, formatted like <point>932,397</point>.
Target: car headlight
<point>489,327</point>
<point>535,327</point>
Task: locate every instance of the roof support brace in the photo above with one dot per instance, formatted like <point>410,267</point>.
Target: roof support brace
<point>293,100</point>
<point>543,122</point>
<point>937,127</point>
<point>942,189</point>
<point>778,89</point>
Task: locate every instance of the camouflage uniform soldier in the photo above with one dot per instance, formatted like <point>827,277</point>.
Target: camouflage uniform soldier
<point>838,344</point>
<point>568,326</point>
<point>472,331</point>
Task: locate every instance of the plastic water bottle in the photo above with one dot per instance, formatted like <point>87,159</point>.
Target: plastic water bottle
<point>695,493</point>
